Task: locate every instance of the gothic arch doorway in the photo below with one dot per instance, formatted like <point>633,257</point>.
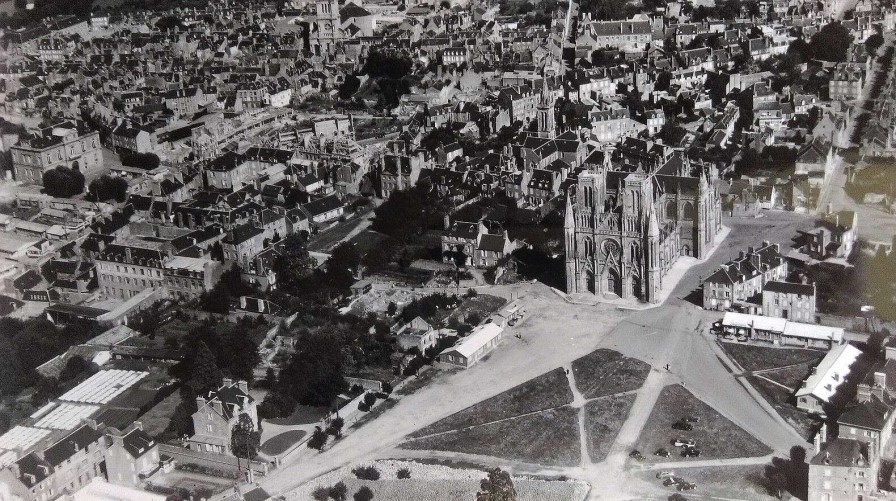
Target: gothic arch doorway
<point>590,282</point>
<point>636,287</point>
<point>685,250</point>
<point>614,282</point>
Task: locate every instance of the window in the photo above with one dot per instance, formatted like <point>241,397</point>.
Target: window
<point>209,428</point>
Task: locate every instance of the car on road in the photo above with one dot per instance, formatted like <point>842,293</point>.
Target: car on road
<point>665,474</point>
<point>690,452</point>
<point>684,442</point>
<point>682,425</point>
<point>636,454</point>
<point>662,452</point>
<point>686,486</point>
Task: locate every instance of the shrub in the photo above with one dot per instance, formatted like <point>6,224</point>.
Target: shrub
<point>363,407</point>
<point>403,473</point>
<point>387,388</point>
<point>339,492</point>
<point>369,399</point>
<point>318,439</point>
<point>366,473</point>
<point>321,494</point>
<point>335,427</point>
<point>471,292</point>
<point>363,494</point>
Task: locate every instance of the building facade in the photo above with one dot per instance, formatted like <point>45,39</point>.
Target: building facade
<point>625,230</point>
<point>65,144</point>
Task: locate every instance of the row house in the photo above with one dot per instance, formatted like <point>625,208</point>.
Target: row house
<point>739,280</point>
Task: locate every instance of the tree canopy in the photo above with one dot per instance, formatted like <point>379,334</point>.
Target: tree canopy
<point>498,486</point>
<point>314,375</point>
<point>244,438</point>
<point>831,42</point>
<point>63,182</point>
<point>108,187</point>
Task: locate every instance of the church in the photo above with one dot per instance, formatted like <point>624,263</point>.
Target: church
<point>628,221</point>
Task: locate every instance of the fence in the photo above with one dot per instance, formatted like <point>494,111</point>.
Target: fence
<point>210,460</point>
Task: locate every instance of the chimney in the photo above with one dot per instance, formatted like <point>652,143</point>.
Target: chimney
<point>227,382</point>
<point>243,386</point>
<point>880,379</point>
<point>863,394</point>
<point>200,402</point>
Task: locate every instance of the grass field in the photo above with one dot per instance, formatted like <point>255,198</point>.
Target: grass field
<point>282,442</point>
<point>543,392</point>
<point>603,420</point>
<point>157,419</point>
<point>549,438</point>
<point>716,436</point>
<point>301,415</point>
<point>604,372</point>
<point>781,400</point>
<point>756,358</point>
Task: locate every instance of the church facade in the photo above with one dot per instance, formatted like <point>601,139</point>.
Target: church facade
<point>624,229</point>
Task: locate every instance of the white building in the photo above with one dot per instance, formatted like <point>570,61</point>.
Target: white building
<point>478,344</point>
<point>826,377</point>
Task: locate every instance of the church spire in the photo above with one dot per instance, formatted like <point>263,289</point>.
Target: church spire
<point>569,222</point>
<point>653,227</point>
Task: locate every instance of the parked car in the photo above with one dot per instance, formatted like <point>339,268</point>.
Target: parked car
<point>686,486</point>
<point>665,474</point>
<point>682,425</point>
<point>636,454</point>
<point>690,452</point>
<point>670,481</point>
<point>684,442</point>
<point>662,452</point>
<point>691,419</point>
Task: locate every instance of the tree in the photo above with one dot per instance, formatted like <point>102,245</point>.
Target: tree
<point>318,439</point>
<point>335,427</point>
<point>339,492</point>
<point>349,86</point>
<point>363,494</point>
<point>206,376</point>
<point>342,266</point>
<point>391,309</point>
<point>294,264</point>
<point>497,487</point>
<point>63,182</point>
<point>145,161</point>
<point>106,188</point>
<point>313,376</point>
<point>831,42</point>
<point>873,43</point>
<point>244,438</point>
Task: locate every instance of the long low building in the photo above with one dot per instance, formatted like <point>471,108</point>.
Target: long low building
<point>475,346</point>
<point>826,378</point>
<point>780,331</point>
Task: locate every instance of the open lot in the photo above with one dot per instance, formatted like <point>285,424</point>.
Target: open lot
<point>731,482</point>
<point>549,438</point>
<point>603,419</point>
<point>605,372</point>
<point>716,436</point>
<point>757,358</point>
<point>437,482</point>
<point>547,391</point>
